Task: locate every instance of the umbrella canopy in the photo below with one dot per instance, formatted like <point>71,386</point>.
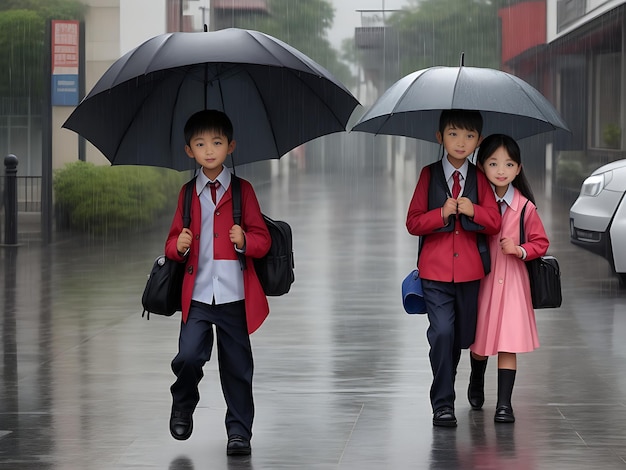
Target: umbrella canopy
<point>276,97</point>
<point>411,106</point>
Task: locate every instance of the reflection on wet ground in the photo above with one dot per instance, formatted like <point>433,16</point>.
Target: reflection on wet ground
<point>342,374</point>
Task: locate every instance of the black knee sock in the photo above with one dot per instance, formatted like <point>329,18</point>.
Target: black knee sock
<point>477,375</point>
<point>476,389</point>
<point>506,380</point>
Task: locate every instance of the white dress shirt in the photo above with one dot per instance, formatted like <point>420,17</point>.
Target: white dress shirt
<point>218,281</point>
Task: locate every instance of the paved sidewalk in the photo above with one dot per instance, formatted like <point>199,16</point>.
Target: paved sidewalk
<point>341,372</point>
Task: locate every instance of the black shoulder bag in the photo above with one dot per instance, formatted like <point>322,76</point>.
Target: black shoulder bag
<point>163,292</point>
<point>544,274</point>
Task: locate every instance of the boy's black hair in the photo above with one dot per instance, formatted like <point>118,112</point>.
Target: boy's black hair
<point>492,143</point>
<point>208,120</point>
<point>461,119</point>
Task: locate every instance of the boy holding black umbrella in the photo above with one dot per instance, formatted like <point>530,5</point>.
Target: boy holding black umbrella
<point>452,202</point>
<point>216,290</point>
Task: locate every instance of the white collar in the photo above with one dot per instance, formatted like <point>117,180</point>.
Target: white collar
<point>448,169</point>
<point>508,196</point>
<point>223,178</point>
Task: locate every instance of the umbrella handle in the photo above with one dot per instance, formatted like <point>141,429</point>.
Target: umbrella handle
<point>462,59</point>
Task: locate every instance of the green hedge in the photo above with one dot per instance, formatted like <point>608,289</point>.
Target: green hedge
<point>113,199</point>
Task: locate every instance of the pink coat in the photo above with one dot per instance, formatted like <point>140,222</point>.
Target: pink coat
<point>506,319</point>
<point>257,245</point>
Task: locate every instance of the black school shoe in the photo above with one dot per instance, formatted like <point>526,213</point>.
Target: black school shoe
<point>444,417</point>
<point>504,414</point>
<point>181,425</point>
<point>238,445</point>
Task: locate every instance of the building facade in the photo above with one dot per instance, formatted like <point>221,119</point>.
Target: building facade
<point>114,27</point>
<point>576,59</point>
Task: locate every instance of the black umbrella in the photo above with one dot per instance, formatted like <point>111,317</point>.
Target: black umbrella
<point>276,96</point>
<point>411,106</point>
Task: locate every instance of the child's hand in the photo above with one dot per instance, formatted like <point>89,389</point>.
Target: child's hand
<point>237,236</point>
<point>184,241</point>
<point>465,206</point>
<point>449,208</point>
<point>509,247</point>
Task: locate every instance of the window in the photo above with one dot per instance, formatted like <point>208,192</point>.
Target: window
<point>568,11</point>
<point>607,123</point>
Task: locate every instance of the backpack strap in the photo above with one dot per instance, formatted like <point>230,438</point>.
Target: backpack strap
<point>522,232</point>
<point>438,192</point>
<point>235,188</point>
<point>187,203</point>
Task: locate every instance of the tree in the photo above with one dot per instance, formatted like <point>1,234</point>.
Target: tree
<point>435,32</point>
<point>21,52</point>
<point>303,25</point>
<point>22,43</point>
<point>48,9</point>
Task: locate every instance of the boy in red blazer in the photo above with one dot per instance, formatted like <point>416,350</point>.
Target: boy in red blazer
<point>452,203</point>
<point>216,291</point>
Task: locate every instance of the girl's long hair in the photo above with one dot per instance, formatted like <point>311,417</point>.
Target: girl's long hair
<point>492,143</point>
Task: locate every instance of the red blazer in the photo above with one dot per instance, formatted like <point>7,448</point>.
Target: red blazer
<point>258,243</point>
<point>451,256</point>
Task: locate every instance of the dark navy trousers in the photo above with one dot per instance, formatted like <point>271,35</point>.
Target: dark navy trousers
<point>234,355</point>
<point>452,308</point>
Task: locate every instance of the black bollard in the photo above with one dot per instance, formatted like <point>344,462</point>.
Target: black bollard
<point>10,200</point>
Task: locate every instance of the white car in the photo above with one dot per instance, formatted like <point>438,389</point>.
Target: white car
<point>598,217</point>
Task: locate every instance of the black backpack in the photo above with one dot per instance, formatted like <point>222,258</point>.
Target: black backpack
<point>275,269</point>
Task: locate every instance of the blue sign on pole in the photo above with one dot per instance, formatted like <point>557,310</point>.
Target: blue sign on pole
<point>65,43</point>
<point>64,90</point>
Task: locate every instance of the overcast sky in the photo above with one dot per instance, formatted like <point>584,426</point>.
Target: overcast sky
<point>347,18</point>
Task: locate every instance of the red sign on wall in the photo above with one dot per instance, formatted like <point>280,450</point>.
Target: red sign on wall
<point>65,55</point>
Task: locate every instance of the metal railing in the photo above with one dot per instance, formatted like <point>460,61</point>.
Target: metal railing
<point>28,193</point>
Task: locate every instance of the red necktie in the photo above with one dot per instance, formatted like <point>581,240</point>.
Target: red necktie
<point>214,187</point>
<point>456,186</point>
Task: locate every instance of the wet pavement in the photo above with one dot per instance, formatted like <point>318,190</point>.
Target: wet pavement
<point>342,373</point>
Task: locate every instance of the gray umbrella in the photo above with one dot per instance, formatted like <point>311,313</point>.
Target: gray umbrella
<point>276,96</point>
<point>411,106</point>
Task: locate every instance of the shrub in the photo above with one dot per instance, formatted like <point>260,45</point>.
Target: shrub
<point>111,199</point>
<point>570,171</point>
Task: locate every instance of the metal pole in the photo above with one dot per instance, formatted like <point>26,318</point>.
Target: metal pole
<point>46,143</point>
<point>180,15</point>
<point>10,200</point>
<point>82,147</point>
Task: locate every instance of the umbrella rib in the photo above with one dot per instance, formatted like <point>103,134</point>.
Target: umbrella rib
<point>156,54</point>
<point>326,105</point>
<point>267,116</point>
<point>509,77</point>
<point>126,130</point>
<point>308,66</point>
<point>293,72</point>
<point>132,54</point>
<point>145,74</point>
<point>531,101</point>
<point>322,100</point>
<point>316,74</point>
<point>399,100</point>
<point>395,106</point>
<point>456,83</point>
<point>183,75</point>
<point>138,108</point>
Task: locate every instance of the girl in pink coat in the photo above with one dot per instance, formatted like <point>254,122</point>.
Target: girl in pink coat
<point>506,320</point>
